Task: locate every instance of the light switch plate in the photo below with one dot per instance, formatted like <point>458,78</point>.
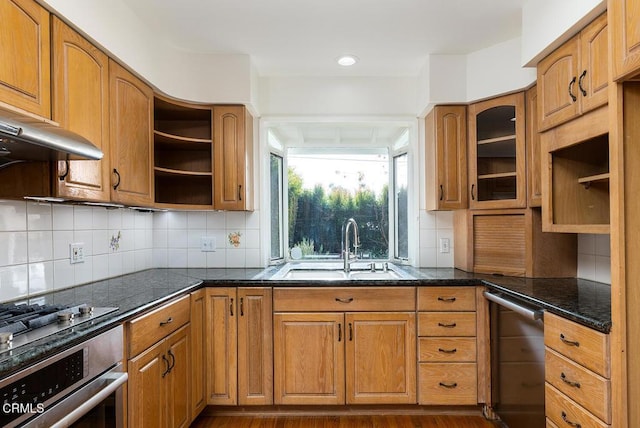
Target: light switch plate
<point>444,245</point>
<point>76,252</point>
<point>208,243</point>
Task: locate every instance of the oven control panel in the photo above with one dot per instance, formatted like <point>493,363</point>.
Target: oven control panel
<point>28,394</point>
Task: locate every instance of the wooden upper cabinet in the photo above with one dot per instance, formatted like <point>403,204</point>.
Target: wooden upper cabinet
<point>233,158</point>
<point>573,79</point>
<point>534,149</point>
<point>81,104</point>
<point>625,32</point>
<point>131,137</point>
<point>25,71</point>
<point>446,157</point>
<point>497,169</point>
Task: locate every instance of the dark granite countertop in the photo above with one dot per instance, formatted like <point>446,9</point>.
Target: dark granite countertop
<point>585,302</point>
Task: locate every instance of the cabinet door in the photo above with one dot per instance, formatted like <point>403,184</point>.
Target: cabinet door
<point>446,151</point>
<point>222,352</point>
<point>178,382</point>
<point>25,68</point>
<point>232,154</point>
<point>131,137</point>
<point>497,171</point>
<point>309,358</point>
<point>594,55</point>
<point>558,85</point>
<point>381,358</point>
<point>255,346</point>
<point>534,149</point>
<point>625,31</point>
<point>146,391</point>
<point>81,104</point>
<point>198,352</point>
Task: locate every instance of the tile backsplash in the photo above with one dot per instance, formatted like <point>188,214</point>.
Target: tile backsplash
<point>35,239</point>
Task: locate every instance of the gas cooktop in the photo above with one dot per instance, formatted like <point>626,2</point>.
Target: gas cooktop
<point>21,324</point>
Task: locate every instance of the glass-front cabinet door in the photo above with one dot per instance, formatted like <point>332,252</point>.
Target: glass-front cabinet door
<point>497,153</point>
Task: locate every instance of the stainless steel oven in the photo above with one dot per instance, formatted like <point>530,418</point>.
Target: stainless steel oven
<point>81,386</point>
<point>517,361</point>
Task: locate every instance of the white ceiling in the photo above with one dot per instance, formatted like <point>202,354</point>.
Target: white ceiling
<point>304,37</point>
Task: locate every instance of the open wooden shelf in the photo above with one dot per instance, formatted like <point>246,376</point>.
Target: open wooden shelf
<point>183,153</point>
<point>594,179</point>
<point>577,175</point>
<point>497,139</point>
<point>498,175</point>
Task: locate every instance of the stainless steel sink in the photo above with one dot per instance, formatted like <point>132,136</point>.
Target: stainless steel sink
<point>312,274</point>
<point>334,272</point>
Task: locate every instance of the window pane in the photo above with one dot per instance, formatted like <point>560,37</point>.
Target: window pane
<point>401,178</point>
<point>276,206</point>
<point>326,189</point>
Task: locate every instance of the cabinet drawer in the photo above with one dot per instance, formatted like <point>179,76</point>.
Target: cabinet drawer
<point>149,328</point>
<point>447,299</point>
<point>565,412</point>
<point>583,386</point>
<point>583,345</point>
<point>447,324</point>
<point>448,383</point>
<point>344,299</point>
<point>446,349</point>
<point>521,384</point>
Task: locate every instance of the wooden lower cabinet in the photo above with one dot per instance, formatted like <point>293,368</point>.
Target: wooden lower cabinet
<point>447,346</point>
<point>159,383</point>
<point>308,358</point>
<point>198,353</point>
<point>337,358</point>
<point>239,352</point>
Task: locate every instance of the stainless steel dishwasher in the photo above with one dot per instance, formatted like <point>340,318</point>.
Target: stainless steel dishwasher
<point>517,361</point>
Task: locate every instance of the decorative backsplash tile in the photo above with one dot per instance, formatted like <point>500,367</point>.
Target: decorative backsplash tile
<point>235,239</point>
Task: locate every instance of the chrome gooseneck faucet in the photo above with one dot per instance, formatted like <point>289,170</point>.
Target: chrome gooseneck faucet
<point>346,252</point>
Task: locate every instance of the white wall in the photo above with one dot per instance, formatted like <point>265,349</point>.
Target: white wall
<point>195,77</point>
<point>338,96</point>
<point>548,23</point>
<point>496,70</point>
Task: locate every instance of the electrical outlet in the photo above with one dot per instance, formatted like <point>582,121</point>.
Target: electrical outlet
<point>444,245</point>
<point>76,253</point>
<point>208,243</point>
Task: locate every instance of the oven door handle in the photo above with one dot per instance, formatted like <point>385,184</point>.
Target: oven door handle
<point>115,379</point>
<point>532,314</point>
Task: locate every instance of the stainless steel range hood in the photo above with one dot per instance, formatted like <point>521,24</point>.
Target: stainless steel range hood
<point>28,138</point>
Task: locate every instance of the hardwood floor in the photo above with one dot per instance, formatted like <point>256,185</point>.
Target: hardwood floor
<point>392,421</point>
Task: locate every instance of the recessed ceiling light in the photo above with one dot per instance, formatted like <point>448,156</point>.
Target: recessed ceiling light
<point>347,60</point>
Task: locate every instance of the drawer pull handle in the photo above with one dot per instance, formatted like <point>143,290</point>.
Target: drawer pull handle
<point>449,385</point>
<point>569,382</point>
<point>451,325</point>
<point>447,299</point>
<point>569,342</point>
<point>349,300</point>
<point>350,332</point>
<point>242,306</point>
<point>167,321</point>
<point>448,351</point>
<point>231,307</point>
<point>339,332</point>
<point>569,422</point>
<point>582,76</point>
<point>573,81</point>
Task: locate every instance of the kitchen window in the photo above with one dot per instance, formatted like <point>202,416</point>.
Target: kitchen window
<point>314,190</point>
